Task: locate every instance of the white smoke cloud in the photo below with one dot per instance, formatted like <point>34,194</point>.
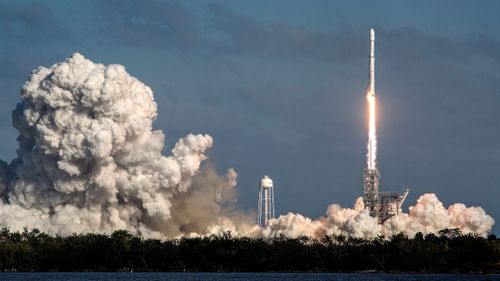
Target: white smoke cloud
<point>428,215</point>
<point>88,158</point>
<point>89,161</point>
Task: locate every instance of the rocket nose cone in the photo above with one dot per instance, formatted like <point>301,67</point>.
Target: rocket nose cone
<point>372,34</point>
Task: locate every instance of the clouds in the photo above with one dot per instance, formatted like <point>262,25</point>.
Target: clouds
<point>214,26</point>
<point>160,24</point>
<point>244,34</point>
<point>30,23</point>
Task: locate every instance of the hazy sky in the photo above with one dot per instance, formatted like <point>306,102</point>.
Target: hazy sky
<point>280,85</point>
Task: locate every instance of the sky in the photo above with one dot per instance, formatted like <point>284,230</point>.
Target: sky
<point>280,86</point>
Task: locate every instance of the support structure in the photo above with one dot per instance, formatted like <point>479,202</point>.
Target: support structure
<point>371,181</point>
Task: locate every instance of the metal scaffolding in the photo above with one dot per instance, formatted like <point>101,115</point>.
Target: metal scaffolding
<point>381,205</point>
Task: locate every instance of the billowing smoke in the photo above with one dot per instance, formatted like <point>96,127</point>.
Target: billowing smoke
<point>88,158</point>
<point>207,208</point>
<point>90,161</point>
<point>428,215</point>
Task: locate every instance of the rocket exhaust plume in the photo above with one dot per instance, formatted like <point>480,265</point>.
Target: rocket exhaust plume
<point>371,157</point>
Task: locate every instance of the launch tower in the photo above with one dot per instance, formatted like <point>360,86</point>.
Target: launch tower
<point>266,201</point>
<point>386,204</point>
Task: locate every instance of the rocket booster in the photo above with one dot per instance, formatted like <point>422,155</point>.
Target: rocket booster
<point>371,65</point>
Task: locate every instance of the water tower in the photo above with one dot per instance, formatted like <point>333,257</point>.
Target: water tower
<point>266,201</point>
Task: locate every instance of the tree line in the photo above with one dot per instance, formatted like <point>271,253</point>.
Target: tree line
<point>447,252</point>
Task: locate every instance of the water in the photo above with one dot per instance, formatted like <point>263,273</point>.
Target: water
<point>87,276</point>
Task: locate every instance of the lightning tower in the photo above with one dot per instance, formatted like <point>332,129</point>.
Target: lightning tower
<point>266,201</point>
<point>380,205</point>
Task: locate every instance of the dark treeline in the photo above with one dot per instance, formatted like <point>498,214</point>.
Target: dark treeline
<point>447,252</point>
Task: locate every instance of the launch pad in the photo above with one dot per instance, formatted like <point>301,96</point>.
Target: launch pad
<point>385,204</point>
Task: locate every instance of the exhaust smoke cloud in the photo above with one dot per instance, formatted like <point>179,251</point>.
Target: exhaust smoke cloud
<point>428,215</point>
<point>90,161</point>
<point>88,158</point>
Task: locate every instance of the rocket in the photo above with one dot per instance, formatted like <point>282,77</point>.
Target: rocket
<point>371,65</point>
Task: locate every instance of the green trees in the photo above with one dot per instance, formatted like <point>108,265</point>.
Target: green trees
<point>449,251</point>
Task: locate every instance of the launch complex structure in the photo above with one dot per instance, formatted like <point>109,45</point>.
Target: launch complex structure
<point>382,205</point>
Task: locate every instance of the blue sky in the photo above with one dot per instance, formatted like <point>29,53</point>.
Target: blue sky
<point>280,86</point>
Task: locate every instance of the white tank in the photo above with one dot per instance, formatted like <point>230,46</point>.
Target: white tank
<point>266,182</point>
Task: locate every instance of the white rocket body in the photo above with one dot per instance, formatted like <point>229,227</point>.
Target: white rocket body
<point>371,66</point>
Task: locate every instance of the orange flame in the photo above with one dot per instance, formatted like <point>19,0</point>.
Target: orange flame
<point>372,132</point>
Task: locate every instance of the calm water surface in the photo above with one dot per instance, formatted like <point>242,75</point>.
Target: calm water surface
<point>241,276</point>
